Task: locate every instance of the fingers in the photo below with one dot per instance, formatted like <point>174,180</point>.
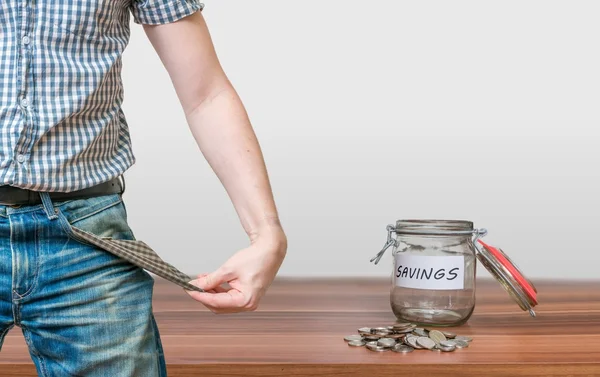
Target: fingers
<point>219,289</point>
<point>213,280</point>
<point>219,299</point>
<point>231,301</point>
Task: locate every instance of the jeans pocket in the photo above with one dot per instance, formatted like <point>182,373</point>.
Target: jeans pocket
<point>103,216</point>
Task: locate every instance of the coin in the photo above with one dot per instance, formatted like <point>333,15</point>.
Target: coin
<point>401,348</point>
<point>375,330</point>
<point>449,335</point>
<point>377,348</point>
<point>386,342</point>
<point>446,349</point>
<point>404,331</point>
<point>396,336</point>
<point>451,342</point>
<point>405,338</point>
<point>352,337</point>
<point>447,343</point>
<point>403,324</point>
<point>425,342</point>
<point>412,341</point>
<point>356,343</point>
<point>462,337</point>
<point>437,336</point>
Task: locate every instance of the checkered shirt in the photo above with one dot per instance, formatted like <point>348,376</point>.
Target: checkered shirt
<point>61,123</point>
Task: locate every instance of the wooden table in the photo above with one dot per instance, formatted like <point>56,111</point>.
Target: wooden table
<point>299,328</point>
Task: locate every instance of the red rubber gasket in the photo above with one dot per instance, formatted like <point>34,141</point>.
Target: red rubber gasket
<point>529,291</point>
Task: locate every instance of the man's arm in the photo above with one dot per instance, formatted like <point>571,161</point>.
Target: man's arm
<point>222,130</point>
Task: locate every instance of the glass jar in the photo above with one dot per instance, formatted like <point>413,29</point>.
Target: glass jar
<point>434,271</point>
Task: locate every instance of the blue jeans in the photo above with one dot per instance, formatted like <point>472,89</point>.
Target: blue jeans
<point>82,310</point>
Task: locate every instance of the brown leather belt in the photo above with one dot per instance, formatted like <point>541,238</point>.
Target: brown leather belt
<point>16,196</point>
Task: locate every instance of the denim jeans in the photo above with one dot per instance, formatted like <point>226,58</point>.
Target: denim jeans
<point>82,310</point>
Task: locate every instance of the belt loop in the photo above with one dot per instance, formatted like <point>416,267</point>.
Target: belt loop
<point>48,205</point>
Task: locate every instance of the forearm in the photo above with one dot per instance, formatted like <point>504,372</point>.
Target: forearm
<point>218,120</point>
<point>223,132</point>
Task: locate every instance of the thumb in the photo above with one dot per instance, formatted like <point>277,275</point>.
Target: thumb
<point>211,280</point>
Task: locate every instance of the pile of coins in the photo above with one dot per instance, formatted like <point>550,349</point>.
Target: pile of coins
<point>405,338</point>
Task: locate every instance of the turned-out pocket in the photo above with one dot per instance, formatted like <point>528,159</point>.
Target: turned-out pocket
<point>102,222</point>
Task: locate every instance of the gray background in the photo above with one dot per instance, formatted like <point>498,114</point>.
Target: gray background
<point>368,112</point>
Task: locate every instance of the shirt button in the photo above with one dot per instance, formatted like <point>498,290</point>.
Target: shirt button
<point>24,102</point>
<point>26,40</point>
<point>20,158</point>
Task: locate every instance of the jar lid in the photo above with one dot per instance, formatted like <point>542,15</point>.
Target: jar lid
<point>509,276</point>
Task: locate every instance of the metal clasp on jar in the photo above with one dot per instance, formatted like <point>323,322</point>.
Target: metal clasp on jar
<point>478,233</point>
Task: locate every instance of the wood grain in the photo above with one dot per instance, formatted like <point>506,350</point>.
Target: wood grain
<point>298,331</point>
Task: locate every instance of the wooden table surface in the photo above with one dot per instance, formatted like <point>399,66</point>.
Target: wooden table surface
<point>298,331</point>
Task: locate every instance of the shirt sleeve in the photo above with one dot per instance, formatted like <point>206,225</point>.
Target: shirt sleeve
<point>154,12</point>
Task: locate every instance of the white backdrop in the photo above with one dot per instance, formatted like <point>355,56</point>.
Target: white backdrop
<point>368,112</point>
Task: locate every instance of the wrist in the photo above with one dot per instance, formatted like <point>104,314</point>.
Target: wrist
<point>269,229</point>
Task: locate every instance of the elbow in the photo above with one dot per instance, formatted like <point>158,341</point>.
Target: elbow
<point>208,94</point>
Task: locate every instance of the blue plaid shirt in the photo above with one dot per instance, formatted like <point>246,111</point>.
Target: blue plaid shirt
<point>61,123</point>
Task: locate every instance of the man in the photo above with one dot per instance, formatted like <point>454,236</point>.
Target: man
<point>72,274</point>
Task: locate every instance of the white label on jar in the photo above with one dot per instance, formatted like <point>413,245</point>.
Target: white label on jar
<point>429,272</point>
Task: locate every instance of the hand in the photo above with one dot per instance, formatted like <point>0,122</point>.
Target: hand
<point>248,273</point>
